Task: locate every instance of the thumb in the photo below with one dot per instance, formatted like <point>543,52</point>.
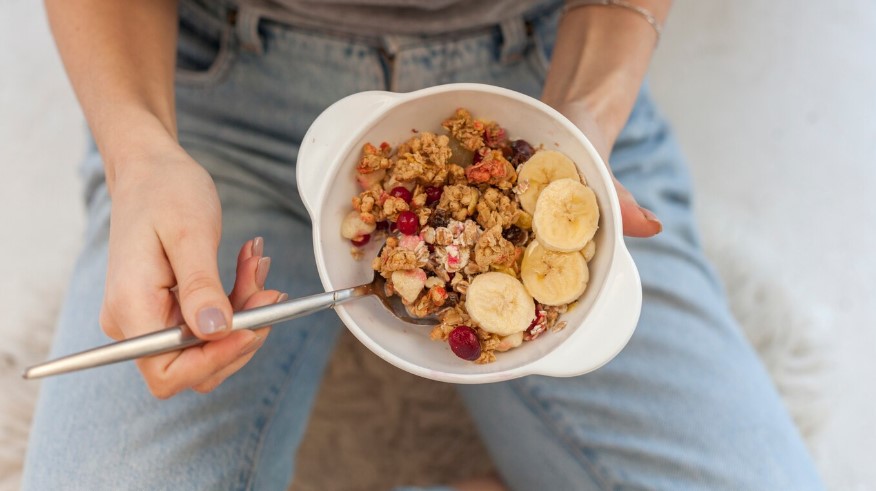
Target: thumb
<point>637,221</point>
<point>203,302</point>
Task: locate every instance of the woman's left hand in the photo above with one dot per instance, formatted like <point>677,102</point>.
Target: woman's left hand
<point>637,221</point>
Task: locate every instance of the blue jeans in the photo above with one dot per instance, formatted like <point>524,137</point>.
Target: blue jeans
<point>687,404</point>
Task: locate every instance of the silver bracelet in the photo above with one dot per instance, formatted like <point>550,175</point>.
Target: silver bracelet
<point>574,4</point>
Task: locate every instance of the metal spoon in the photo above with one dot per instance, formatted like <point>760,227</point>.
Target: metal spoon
<point>179,337</point>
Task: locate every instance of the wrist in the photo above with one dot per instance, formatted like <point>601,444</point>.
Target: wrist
<point>132,144</point>
<point>599,62</point>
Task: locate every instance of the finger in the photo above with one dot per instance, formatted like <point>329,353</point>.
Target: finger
<point>637,221</point>
<point>252,272</point>
<point>257,300</point>
<point>191,249</point>
<point>131,308</point>
<point>168,374</point>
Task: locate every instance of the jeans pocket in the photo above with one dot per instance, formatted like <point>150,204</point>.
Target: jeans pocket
<point>205,48</point>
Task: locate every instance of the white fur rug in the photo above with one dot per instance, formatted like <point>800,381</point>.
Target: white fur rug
<point>790,335</point>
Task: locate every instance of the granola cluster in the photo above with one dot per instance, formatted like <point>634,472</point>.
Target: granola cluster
<point>448,208</point>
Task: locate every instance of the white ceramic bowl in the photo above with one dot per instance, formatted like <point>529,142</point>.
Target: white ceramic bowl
<point>598,327</point>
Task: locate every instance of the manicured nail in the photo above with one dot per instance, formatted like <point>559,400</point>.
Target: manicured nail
<point>211,320</point>
<point>282,298</point>
<point>252,345</point>
<point>262,271</point>
<point>651,217</point>
<point>258,246</point>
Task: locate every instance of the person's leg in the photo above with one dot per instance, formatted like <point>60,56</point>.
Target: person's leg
<point>687,404</point>
<point>242,117</point>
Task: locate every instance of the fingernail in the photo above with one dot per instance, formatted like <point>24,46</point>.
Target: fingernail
<point>211,320</point>
<point>282,298</point>
<point>252,346</point>
<point>262,271</point>
<point>651,217</point>
<point>258,246</point>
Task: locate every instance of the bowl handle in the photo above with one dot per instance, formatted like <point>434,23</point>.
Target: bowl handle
<point>325,139</point>
<point>608,327</point>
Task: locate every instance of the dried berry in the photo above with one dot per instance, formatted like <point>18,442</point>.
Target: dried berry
<point>401,192</point>
<point>452,298</point>
<point>360,241</point>
<point>464,343</point>
<point>439,218</point>
<point>433,194</point>
<point>408,223</point>
<point>521,151</point>
<point>515,235</point>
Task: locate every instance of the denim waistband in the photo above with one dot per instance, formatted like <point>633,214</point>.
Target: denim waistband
<point>246,19</point>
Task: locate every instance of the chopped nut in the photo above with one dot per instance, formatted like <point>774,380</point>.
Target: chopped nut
<point>396,258</point>
<point>465,129</point>
<point>430,302</point>
<point>392,206</point>
<point>495,208</point>
<point>423,215</point>
<point>492,248</point>
<point>374,158</point>
<point>423,158</point>
<point>459,200</point>
<point>456,175</point>
<point>470,233</point>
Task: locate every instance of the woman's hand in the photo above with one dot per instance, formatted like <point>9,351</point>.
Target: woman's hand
<point>637,221</point>
<point>164,235</point>
<point>599,61</point>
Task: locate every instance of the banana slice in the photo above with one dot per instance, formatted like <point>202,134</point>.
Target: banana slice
<point>566,216</point>
<point>499,303</point>
<point>540,170</point>
<point>554,278</point>
<point>589,251</point>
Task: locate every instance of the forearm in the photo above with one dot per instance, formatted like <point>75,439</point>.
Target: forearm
<point>120,58</point>
<point>600,59</point>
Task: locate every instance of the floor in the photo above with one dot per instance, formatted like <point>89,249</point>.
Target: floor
<point>773,103</point>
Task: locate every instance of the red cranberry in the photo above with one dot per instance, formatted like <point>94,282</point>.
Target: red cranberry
<point>433,194</point>
<point>401,192</point>
<point>360,241</point>
<point>464,343</point>
<point>408,223</point>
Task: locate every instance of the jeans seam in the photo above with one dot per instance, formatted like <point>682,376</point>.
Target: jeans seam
<point>255,455</point>
<point>596,471</point>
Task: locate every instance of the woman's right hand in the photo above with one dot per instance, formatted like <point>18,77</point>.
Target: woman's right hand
<point>165,228</point>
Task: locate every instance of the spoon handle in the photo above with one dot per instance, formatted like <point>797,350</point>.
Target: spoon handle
<point>179,337</point>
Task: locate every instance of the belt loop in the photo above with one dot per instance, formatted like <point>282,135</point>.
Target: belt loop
<point>247,28</point>
<point>514,39</point>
